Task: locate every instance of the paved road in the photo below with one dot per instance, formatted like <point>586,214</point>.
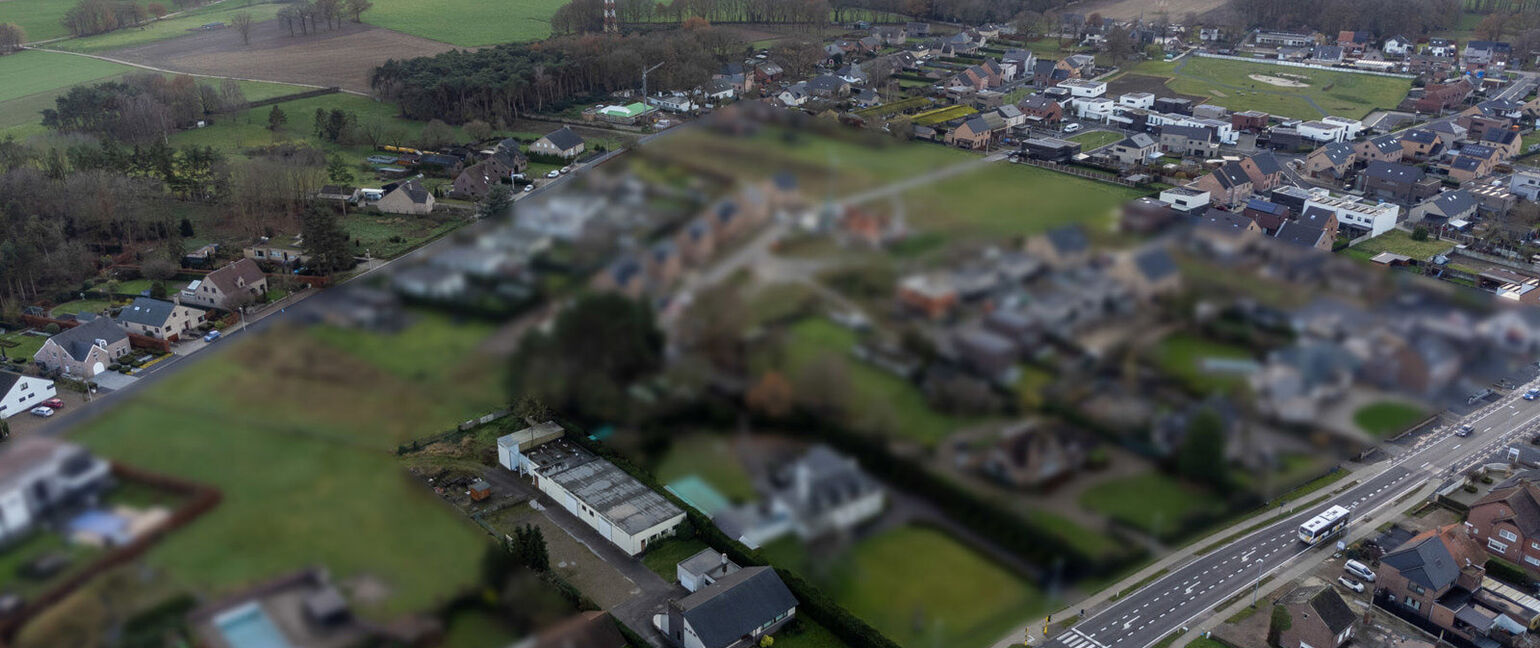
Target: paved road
<point>1195,588</point>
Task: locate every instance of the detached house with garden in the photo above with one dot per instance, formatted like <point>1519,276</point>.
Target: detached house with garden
<point>84,351</point>
<point>228,288</point>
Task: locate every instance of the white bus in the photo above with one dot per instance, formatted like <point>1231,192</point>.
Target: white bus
<point>1327,524</point>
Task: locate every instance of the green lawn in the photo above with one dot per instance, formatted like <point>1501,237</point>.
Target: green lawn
<point>1181,355</point>
<point>922,588</point>
<point>663,557</point>
<point>80,306</point>
<point>40,18</point>
<point>1153,502</point>
<point>298,435</point>
<point>1400,242</point>
<point>467,24</point>
<point>1229,84</point>
<point>872,390</point>
<point>1095,139</point>
<point>477,629</point>
<point>373,233</point>
<point>136,287</point>
<point>1388,418</point>
<point>30,73</point>
<point>710,457</point>
<point>807,634</point>
<point>172,27</point>
<point>25,345</point>
<point>433,344</point>
<point>1002,200</point>
<point>1091,543</point>
<point>248,128</point>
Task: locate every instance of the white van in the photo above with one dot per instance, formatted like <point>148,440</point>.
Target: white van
<point>1070,128</point>
<point>1360,570</point>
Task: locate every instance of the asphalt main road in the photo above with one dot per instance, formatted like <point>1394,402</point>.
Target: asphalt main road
<point>1200,585</point>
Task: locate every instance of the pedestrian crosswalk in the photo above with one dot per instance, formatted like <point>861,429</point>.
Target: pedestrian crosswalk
<point>1076,639</point>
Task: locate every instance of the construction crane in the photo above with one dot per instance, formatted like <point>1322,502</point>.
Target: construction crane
<point>645,70</point>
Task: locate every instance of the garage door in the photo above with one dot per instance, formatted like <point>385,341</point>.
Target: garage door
<point>572,504</point>
<point>604,528</point>
<point>98,368</point>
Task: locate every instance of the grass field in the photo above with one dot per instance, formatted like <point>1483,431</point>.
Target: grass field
<point>24,345</point>
<point>922,588</point>
<point>40,18</point>
<point>1182,356</point>
<point>372,233</point>
<point>306,480</point>
<point>248,128</point>
<point>872,390</point>
<point>467,24</point>
<point>1153,502</point>
<point>710,457</point>
<point>1092,543</point>
<point>1228,83</point>
<point>1399,242</point>
<point>1387,418</point>
<point>808,635</point>
<point>80,306</point>
<point>1003,200</point>
<point>663,557</point>
<point>168,28</point>
<point>1095,139</point>
<point>476,629</point>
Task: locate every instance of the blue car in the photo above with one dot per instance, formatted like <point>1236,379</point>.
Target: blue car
<point>1532,394</point>
<point>211,336</point>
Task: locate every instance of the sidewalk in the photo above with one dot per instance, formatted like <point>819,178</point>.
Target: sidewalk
<point>1176,559</point>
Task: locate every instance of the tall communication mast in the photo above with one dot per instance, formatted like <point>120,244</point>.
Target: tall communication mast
<point>610,25</point>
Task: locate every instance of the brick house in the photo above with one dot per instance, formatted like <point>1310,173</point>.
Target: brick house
<point>1188,141</point>
<point>1254,121</point>
<point>1507,523</point>
<point>232,286</point>
<point>85,350</point>
<point>1330,161</point>
<point>409,197</point>
<point>1420,144</point>
<point>160,319</point>
<point>1042,110</point>
<point>972,134</point>
<point>1397,182</point>
<point>1438,97</point>
<point>1319,618</point>
<point>1385,148</point>
<point>933,296</point>
<point>696,241</point>
<point>1227,185</point>
<point>1060,247</point>
<point>1418,576</point>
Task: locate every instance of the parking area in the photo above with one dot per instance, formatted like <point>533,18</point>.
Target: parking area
<point>25,423</point>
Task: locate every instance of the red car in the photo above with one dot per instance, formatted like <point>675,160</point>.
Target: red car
<point>54,403</point>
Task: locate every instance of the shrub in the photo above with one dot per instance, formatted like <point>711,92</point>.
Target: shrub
<point>1470,488</point>
<point>52,328</point>
<point>114,367</point>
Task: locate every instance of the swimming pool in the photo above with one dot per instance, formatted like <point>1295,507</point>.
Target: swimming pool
<point>247,626</point>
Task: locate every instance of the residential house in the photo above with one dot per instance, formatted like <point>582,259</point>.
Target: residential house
<point>1320,218</point>
<point>1148,271</point>
<point>984,352</point>
<point>1296,381</point>
<point>1477,123</point>
<point>506,159</point>
<point>1185,199</point>
<point>1442,47</point>
<point>43,478</point>
<point>20,393</point>
<point>974,77</point>
<point>696,241</point>
<point>1140,100</point>
<point>429,281</point>
<point>606,498</point>
<point>1318,618</point>
<point>891,35</point>
<point>409,197</point>
<point>663,263</point>
<point>475,182</point>
<point>1283,39</point>
<point>1385,148</point>
<point>794,95</point>
<point>85,350</point>
<point>1146,215</point>
<point>1438,576</point>
<point>1326,54</point>
<point>1135,149</point>
<point>1333,161</point>
<point>160,319</point>
<point>562,143</point>
<point>1035,454</point>
<point>1324,131</point>
<point>1507,522</point>
<point>1188,141</point>
<point>1301,235</point>
<point>823,492</point>
<point>1098,109</point>
<point>1061,247</point>
<point>1363,216</point>
<point>1353,43</point>
<point>1040,110</point>
<point>702,569</point>
<point>975,133</point>
<point>1012,116</point>
<point>1084,89</point>
<point>1396,182</point>
<point>1398,45</point>
<point>265,249</point>
<point>1525,184</point>
<point>235,285</point>
<point>852,74</point>
<point>1079,65</point>
<point>1420,144</point>
<point>828,86</point>
<point>768,72</point>
<point>1444,208</point>
<point>1480,55</point>
<point>1227,185</point>
<point>1251,121</point>
<point>1268,215</point>
<point>931,295</point>
<point>733,612</point>
<point>1439,97</point>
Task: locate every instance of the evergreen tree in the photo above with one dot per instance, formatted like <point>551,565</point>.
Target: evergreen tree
<point>276,118</point>
<point>1202,455</point>
<point>496,202</point>
<point>325,241</point>
<point>186,228</point>
<point>320,122</point>
<point>337,170</point>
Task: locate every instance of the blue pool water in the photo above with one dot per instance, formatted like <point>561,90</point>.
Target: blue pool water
<point>247,626</point>
<point>699,494</point>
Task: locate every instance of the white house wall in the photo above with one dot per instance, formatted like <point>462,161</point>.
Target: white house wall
<point>24,395</point>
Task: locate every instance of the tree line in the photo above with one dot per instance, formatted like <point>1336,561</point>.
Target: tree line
<point>1384,18</point>
<point>499,84</point>
<point>587,15</point>
<point>141,107</point>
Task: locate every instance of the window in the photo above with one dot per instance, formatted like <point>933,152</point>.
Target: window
<point>1508,535</point>
<point>1532,560</point>
<point>1496,546</point>
<point>1416,588</point>
<point>1413,603</point>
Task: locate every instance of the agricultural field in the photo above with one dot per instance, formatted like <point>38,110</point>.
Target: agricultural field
<point>41,19</point>
<point>1300,93</point>
<point>302,478</point>
<point>185,24</point>
<point>466,24</point>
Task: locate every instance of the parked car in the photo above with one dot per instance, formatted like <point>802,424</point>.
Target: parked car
<point>1532,394</point>
<point>1070,128</point>
<point>211,336</point>
<point>553,174</point>
<point>567,169</point>
<point>1359,569</point>
<point>1465,430</point>
<point>54,403</point>
<point>529,187</point>
<point>1351,584</point>
<point>42,411</point>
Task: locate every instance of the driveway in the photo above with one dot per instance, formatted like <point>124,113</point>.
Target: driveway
<point>113,381</point>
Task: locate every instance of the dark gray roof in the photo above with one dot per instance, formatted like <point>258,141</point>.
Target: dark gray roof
<point>1155,264</point>
<point>1333,611</point>
<point>1068,240</point>
<point>826,83</point>
<point>1137,141</point>
<point>563,138</point>
<point>78,341</point>
<point>1296,233</point>
<point>736,605</point>
<point>1426,562</point>
<point>1451,203</point>
<point>1189,132</point>
<point>7,379</point>
<point>1394,172</point>
<point>1386,143</point>
<point>147,311</point>
<point>1267,164</point>
<point>414,191</point>
<point>1338,152</point>
<point>1421,136</point>
<point>1222,219</point>
<point>1316,216</point>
